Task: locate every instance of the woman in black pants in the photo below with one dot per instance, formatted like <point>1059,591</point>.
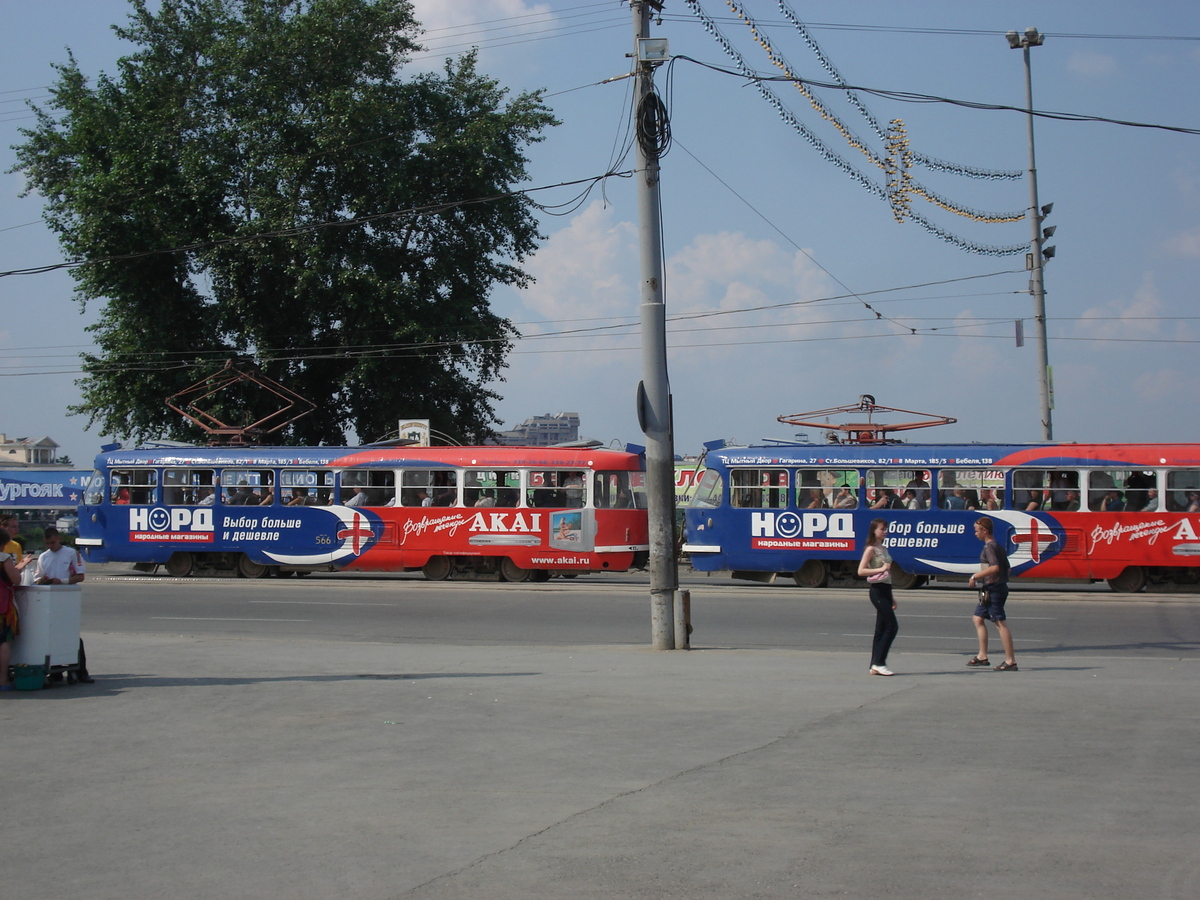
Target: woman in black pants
<point>876,567</point>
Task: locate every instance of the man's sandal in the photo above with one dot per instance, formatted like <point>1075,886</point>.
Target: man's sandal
<point>1006,667</point>
<point>976,661</point>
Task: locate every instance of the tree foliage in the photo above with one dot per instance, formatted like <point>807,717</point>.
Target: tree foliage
<point>273,148</point>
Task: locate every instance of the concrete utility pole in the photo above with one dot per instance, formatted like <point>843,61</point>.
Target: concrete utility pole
<point>1037,257</point>
<point>654,391</point>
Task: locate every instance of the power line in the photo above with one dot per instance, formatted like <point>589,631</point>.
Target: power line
<point>913,97</point>
<point>964,32</point>
<point>431,209</point>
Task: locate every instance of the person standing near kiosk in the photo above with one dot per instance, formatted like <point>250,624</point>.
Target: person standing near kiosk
<point>10,527</point>
<point>62,565</point>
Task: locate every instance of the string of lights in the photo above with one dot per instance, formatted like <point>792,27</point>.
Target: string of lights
<point>938,165</point>
<point>899,187</point>
<point>829,155</point>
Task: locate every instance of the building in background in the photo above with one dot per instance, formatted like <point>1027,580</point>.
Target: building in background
<point>542,431</point>
<point>27,452</point>
<point>38,490</point>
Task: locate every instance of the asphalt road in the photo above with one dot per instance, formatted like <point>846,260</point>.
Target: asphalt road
<point>615,610</point>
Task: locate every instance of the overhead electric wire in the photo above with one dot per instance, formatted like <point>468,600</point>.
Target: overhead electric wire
<point>786,237</point>
<point>913,97</point>
<point>311,227</point>
<point>968,32</point>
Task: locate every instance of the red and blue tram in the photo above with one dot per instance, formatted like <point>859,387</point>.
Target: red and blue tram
<point>1128,514</point>
<point>519,513</point>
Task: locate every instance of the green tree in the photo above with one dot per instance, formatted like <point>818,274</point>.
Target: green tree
<point>238,134</point>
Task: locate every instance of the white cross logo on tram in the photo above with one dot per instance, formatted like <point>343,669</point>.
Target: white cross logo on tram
<point>359,531</point>
<point>1036,539</point>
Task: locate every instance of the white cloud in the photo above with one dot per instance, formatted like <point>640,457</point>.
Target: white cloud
<point>454,22</point>
<point>1090,64</point>
<point>587,269</point>
<point>1168,388</point>
<point>1134,317</point>
<point>1185,244</point>
<point>1187,178</point>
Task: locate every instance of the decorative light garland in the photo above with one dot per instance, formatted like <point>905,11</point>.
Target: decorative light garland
<point>896,164</point>
<point>937,165</point>
<point>915,187</point>
<point>899,160</point>
<point>784,113</point>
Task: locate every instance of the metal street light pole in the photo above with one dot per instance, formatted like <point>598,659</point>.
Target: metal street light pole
<point>1031,38</point>
<point>654,392</point>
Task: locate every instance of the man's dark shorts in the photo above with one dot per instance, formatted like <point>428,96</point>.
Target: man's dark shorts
<point>995,611</point>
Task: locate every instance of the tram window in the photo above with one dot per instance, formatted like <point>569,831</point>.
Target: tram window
<point>417,487</point>
<point>247,487</point>
<point>1120,490</point>
<point>826,489</point>
<point>758,488</point>
<point>557,488</point>
<point>1055,489</point>
<point>637,487</point>
<point>885,488</point>
<point>189,487</point>
<point>133,486</point>
<point>708,490</point>
<point>305,487</point>
<point>445,487</point>
<point>1138,487</point>
<point>971,489</point>
<point>492,488</point>
<point>368,487</point>
<point>1183,490</point>
<point>381,488</point>
<point>611,491</point>
<point>93,494</point>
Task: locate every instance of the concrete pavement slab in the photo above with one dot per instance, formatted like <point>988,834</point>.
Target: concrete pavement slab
<point>244,768</point>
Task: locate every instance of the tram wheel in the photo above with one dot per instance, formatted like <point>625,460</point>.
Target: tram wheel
<point>813,574</point>
<point>906,581</point>
<point>437,569</point>
<point>510,571</point>
<point>1130,581</point>
<point>248,568</point>
<point>180,564</point>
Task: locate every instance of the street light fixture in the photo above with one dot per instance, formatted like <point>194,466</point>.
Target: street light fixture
<point>1037,256</point>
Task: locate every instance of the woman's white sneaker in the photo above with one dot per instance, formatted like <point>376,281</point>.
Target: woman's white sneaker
<point>881,670</point>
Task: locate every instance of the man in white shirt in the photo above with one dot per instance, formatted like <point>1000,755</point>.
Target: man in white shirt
<point>62,565</point>
<point>58,564</point>
<point>359,498</point>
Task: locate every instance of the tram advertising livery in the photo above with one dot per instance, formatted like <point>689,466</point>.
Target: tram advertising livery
<point>522,513</point>
<point>1128,514</point>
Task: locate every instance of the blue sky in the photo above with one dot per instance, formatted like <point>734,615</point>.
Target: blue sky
<point>773,255</point>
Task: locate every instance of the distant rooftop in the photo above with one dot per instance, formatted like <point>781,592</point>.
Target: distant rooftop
<point>542,431</point>
<point>25,451</point>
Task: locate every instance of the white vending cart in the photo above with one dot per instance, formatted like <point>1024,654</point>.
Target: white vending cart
<point>49,628</point>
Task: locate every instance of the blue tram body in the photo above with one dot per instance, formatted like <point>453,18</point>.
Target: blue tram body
<point>1128,514</point>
